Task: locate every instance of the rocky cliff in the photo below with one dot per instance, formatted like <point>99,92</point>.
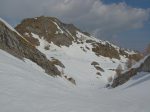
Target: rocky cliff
<point>142,66</point>
<point>15,44</point>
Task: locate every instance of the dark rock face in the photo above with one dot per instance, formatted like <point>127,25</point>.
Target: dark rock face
<point>16,45</point>
<point>98,73</point>
<point>121,79</point>
<point>57,62</point>
<point>105,50</point>
<point>146,65</point>
<point>94,63</point>
<point>97,67</point>
<point>72,80</point>
<point>71,28</point>
<point>90,41</point>
<point>136,56</point>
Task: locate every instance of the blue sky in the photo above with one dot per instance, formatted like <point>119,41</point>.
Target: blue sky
<point>123,22</point>
<point>139,38</point>
<point>133,3</point>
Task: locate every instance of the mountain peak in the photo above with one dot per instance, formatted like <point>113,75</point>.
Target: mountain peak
<point>49,28</point>
<point>52,30</point>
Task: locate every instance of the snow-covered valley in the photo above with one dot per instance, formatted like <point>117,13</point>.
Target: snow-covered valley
<point>25,87</point>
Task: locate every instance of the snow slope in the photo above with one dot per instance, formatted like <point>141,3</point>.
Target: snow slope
<point>77,60</point>
<point>24,87</point>
<point>75,49</point>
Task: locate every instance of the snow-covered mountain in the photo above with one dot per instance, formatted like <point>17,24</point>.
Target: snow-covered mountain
<point>81,54</point>
<point>81,63</point>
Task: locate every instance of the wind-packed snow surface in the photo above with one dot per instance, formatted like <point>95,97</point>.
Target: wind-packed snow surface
<point>24,87</point>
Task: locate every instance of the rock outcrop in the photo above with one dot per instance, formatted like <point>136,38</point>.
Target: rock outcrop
<point>142,66</point>
<point>15,44</point>
<point>105,50</point>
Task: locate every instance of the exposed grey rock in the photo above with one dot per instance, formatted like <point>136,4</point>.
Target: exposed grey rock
<point>72,80</point>
<point>122,78</point>
<point>94,63</point>
<point>57,62</point>
<point>98,73</point>
<point>16,45</point>
<point>99,68</point>
<point>105,50</point>
<point>146,65</point>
